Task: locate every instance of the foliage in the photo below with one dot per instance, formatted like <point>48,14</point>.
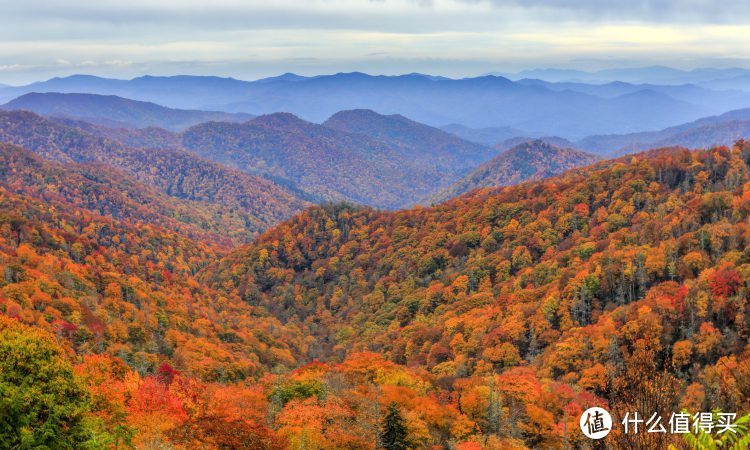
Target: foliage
<point>227,201</point>
<point>332,165</point>
<point>491,321</point>
<point>569,279</point>
<point>42,405</point>
<point>527,161</point>
<point>738,440</point>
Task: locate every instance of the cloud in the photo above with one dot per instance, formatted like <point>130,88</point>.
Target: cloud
<point>249,38</point>
<point>643,11</point>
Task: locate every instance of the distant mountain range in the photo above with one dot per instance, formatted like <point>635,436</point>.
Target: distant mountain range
<point>371,155</point>
<point>718,101</point>
<point>487,136</point>
<point>528,161</point>
<point>724,129</point>
<point>709,77</point>
<point>572,111</point>
<point>116,111</point>
<point>386,161</point>
<point>357,156</point>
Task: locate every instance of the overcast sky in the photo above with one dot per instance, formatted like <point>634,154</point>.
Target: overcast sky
<point>248,39</point>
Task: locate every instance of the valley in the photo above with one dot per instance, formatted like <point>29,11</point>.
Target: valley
<point>221,279</point>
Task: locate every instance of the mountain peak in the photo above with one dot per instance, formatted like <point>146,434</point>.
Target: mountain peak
<point>531,160</point>
<point>288,76</point>
<point>78,77</point>
<point>279,120</point>
<point>363,114</point>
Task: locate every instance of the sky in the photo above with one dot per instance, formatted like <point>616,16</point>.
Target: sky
<point>250,39</point>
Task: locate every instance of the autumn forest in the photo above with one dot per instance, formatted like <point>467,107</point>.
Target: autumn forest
<point>370,282</point>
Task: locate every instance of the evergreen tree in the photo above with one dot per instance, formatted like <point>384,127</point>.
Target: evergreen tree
<point>393,434</point>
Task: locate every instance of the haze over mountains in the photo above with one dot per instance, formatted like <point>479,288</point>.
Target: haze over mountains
<point>116,111</point>
<point>386,161</point>
<point>737,78</point>
<point>715,130</point>
<point>570,110</point>
<point>277,153</point>
<point>723,129</point>
<point>392,160</point>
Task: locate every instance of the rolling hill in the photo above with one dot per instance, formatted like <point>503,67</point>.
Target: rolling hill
<point>551,140</point>
<point>600,286</point>
<point>243,204</point>
<point>494,319</point>
<point>96,265</point>
<point>149,137</point>
<point>114,111</point>
<point>102,190</point>
<point>332,165</point>
<point>422,144</point>
<point>532,160</point>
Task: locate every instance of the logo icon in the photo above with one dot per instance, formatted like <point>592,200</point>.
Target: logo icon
<point>596,423</point>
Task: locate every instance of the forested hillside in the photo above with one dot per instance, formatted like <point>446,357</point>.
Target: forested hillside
<point>242,204</point>
<point>106,267</point>
<point>527,161</point>
<point>490,321</point>
<point>422,144</point>
<point>624,284</point>
<point>148,137</point>
<point>332,165</point>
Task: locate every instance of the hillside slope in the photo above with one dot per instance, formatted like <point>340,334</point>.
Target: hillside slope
<point>420,143</point>
<point>104,191</point>
<point>111,256</point>
<point>528,161</point>
<point>490,321</point>
<point>394,164</point>
<point>243,204</point>
<point>331,164</point>
<point>149,137</point>
<point>616,281</point>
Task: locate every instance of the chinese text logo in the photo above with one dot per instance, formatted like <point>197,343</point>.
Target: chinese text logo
<point>596,423</point>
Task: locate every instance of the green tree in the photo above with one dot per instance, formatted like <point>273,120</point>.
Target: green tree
<point>41,404</point>
<point>393,434</point>
<point>738,440</point>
